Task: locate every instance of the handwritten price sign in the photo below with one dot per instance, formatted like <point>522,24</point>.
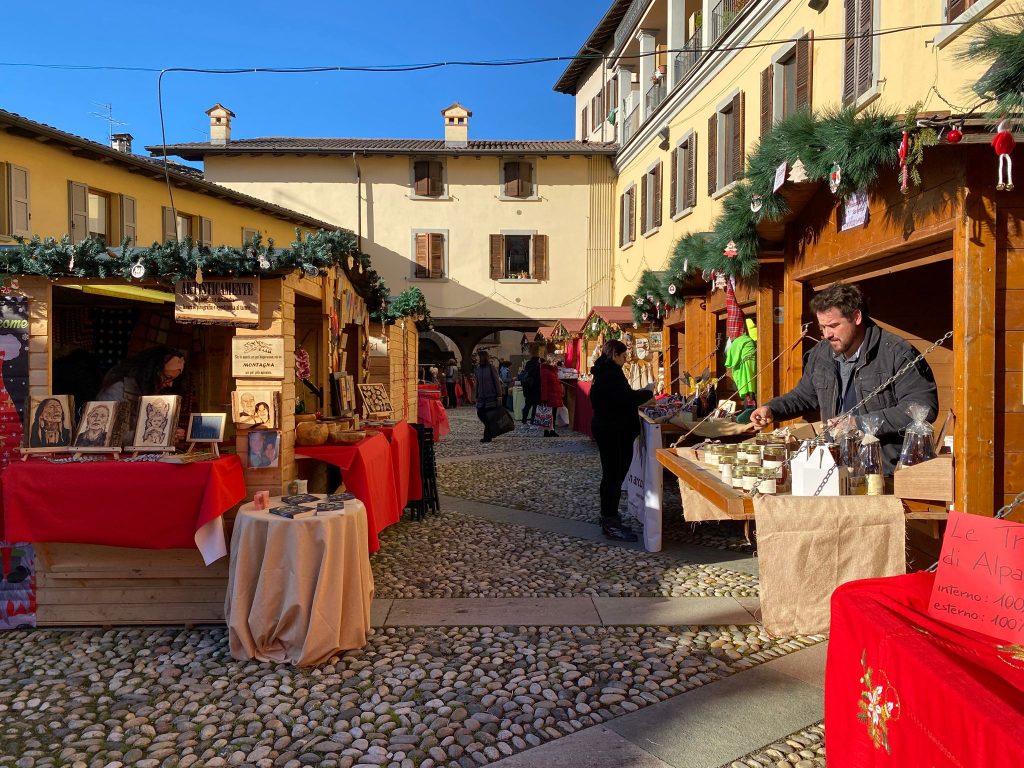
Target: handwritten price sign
<point>980,580</point>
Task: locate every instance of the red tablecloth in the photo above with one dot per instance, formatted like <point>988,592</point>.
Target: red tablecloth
<point>405,460</point>
<point>369,475</point>
<point>584,412</point>
<point>431,413</point>
<point>149,505</point>
<point>902,689</point>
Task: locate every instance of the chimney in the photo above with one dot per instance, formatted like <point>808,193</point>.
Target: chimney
<point>122,142</point>
<point>456,125</point>
<point>220,124</point>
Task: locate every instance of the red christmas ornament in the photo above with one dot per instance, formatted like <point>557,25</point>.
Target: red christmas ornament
<point>904,171</point>
<point>1003,143</point>
<point>730,250</point>
<point>954,135</point>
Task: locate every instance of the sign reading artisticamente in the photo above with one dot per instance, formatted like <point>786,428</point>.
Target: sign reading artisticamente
<point>218,301</point>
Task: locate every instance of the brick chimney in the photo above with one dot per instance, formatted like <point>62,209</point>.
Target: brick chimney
<point>122,142</point>
<point>456,125</point>
<point>220,124</point>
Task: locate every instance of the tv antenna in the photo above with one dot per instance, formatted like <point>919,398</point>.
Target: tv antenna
<point>108,116</point>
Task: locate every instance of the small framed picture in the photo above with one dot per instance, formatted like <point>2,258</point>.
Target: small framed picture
<point>51,423</point>
<point>96,429</point>
<point>255,408</point>
<point>206,427</point>
<point>264,448</point>
<point>158,417</point>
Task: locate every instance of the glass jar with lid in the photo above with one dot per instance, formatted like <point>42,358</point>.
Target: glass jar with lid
<point>727,465</point>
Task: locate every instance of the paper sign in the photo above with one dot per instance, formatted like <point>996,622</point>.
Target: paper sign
<point>780,178</point>
<point>855,212</point>
<point>980,580</point>
<point>257,357</point>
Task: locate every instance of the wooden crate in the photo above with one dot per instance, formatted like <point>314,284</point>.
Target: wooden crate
<point>930,481</point>
<point>83,584</point>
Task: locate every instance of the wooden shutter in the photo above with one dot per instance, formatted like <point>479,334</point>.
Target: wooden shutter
<point>248,235</point>
<point>673,179</point>
<point>583,125</point>
<point>206,232</point>
<point>436,255</point>
<point>21,213</point>
<point>422,254</point>
<point>767,87</point>
<point>622,219</point>
<point>170,231</point>
<point>497,257</point>
<point>656,219</point>
<point>713,154</point>
<point>526,179</point>
<point>850,52</point>
<point>738,150</point>
<point>691,173</point>
<point>129,214</point>
<point>5,199</point>
<point>643,203</point>
<point>865,46</point>
<point>421,174</point>
<point>436,178</point>
<point>632,214</point>
<point>512,185</point>
<point>804,71</point>
<point>540,257</point>
<point>954,8</point>
<point>78,211</point>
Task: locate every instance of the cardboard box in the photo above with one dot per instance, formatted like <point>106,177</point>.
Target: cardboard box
<point>811,466</point>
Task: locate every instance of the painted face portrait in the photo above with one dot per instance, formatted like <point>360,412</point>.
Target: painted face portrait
<point>97,418</point>
<point>53,411</point>
<point>262,413</point>
<point>248,404</point>
<point>156,422</point>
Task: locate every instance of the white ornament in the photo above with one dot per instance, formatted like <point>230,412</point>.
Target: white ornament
<point>798,173</point>
<point>835,178</point>
<point>672,288</point>
<point>264,262</point>
<point>138,270</point>
<point>756,203</point>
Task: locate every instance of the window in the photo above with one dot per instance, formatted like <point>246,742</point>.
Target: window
<point>428,178</point>
<point>683,180</point>
<point>15,210</point>
<point>611,97</point>
<point>430,254</point>
<point>517,179</point>
<point>99,214</point>
<point>786,83</point>
<point>650,200</point>
<point>955,7</point>
<point>858,57</point>
<point>519,256</point>
<point>248,235</point>
<point>725,144</point>
<point>178,225</point>
<point>627,217</point>
<point>596,111</point>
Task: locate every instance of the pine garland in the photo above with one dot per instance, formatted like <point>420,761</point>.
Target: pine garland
<point>1003,84</point>
<point>409,303</point>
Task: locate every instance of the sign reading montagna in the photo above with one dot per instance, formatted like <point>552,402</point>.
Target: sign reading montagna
<point>218,301</point>
<point>257,357</point>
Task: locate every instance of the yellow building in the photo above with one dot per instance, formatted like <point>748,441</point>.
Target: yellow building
<point>693,84</point>
<point>498,235</point>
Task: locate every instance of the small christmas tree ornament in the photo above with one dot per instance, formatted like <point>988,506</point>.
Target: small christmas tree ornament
<point>138,270</point>
<point>904,151</point>
<point>199,275</point>
<point>730,250</point>
<point>1003,143</point>
<point>672,288</point>
<point>264,262</point>
<point>720,281</point>
<point>797,173</point>
<point>835,178</point>
<point>756,203</point>
<point>954,135</point>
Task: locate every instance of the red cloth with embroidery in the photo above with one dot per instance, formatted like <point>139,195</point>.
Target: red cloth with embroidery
<point>149,505</point>
<point>957,696</point>
<point>368,474</point>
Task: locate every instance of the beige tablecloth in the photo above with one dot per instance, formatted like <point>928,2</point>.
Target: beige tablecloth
<point>299,591</point>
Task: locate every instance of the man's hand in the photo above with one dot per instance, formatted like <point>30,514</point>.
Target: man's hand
<point>762,417</point>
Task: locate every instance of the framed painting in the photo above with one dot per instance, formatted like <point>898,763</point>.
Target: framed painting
<point>375,399</point>
<point>158,417</point>
<point>264,448</point>
<point>96,427</point>
<point>51,421</point>
<point>255,408</point>
<point>206,427</point>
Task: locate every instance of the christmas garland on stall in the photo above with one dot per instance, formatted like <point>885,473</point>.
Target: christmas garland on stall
<point>1002,85</point>
<point>409,303</point>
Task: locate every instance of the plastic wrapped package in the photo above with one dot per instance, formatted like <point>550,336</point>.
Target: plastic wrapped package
<point>868,476</point>
<point>919,439</point>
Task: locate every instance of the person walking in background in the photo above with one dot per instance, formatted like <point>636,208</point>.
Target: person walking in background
<point>451,374</point>
<point>488,393</point>
<point>530,378</point>
<point>615,425</point>
<point>505,376</point>
<point>550,391</point>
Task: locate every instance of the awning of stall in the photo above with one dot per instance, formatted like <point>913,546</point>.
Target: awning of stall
<point>610,315</point>
<point>569,326</point>
<point>545,332</point>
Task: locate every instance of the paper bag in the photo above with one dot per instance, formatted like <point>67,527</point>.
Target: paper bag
<point>808,546</point>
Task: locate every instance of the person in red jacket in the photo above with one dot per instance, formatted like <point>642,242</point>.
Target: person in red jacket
<point>550,391</point>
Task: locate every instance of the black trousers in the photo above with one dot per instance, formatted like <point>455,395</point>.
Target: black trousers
<point>453,401</point>
<point>531,409</point>
<point>481,413</point>
<point>616,449</point>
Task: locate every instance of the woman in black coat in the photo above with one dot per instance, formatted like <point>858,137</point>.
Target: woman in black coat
<point>615,425</point>
<point>530,377</point>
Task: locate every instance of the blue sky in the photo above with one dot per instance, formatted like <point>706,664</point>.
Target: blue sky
<point>511,102</point>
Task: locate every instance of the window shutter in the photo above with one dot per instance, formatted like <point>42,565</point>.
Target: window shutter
<point>954,8</point>
<point>5,201</point>
<point>643,202</point>
<point>421,172</point>
<point>622,219</point>
<point>512,180</point>
<point>436,255</point>
<point>526,179</point>
<point>656,218</point>
<point>583,125</point>
<point>128,218</point>
<point>673,180</point>
<point>78,211</point>
<point>767,83</point>
<point>691,173</point>
<point>738,150</point>
<point>206,232</point>
<point>850,53</point>
<point>632,214</point>
<point>248,235</point>
<point>865,46</point>
<point>540,257</point>
<point>422,255</point>
<point>804,71</point>
<point>497,257</point>
<point>436,178</point>
<point>713,154</point>
<point>170,230</point>
<point>21,214</point>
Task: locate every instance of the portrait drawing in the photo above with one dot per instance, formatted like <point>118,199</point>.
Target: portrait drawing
<point>254,408</point>
<point>158,415</point>
<point>51,424</point>
<point>96,429</point>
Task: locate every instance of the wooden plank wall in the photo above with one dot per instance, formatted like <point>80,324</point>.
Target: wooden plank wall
<point>1009,461</point>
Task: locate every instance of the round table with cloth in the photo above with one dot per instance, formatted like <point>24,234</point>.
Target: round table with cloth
<point>299,591</point>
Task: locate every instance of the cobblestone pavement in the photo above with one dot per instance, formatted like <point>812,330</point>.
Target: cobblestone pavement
<point>414,696</point>
<point>805,749</point>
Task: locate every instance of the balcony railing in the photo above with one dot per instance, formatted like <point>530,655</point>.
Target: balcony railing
<point>628,23</point>
<point>631,124</point>
<point>723,15</point>
<point>687,58</point>
<point>654,96</point>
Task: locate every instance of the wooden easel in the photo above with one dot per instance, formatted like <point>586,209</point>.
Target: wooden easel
<point>137,449</point>
<point>27,452</point>
<point>214,447</point>
<point>113,451</point>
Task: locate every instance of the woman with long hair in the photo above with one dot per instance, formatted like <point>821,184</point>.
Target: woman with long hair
<point>615,426</point>
<point>550,391</point>
<point>488,393</point>
<point>157,371</point>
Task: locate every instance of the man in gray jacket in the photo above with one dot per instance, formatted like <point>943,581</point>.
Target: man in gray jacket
<point>853,358</point>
